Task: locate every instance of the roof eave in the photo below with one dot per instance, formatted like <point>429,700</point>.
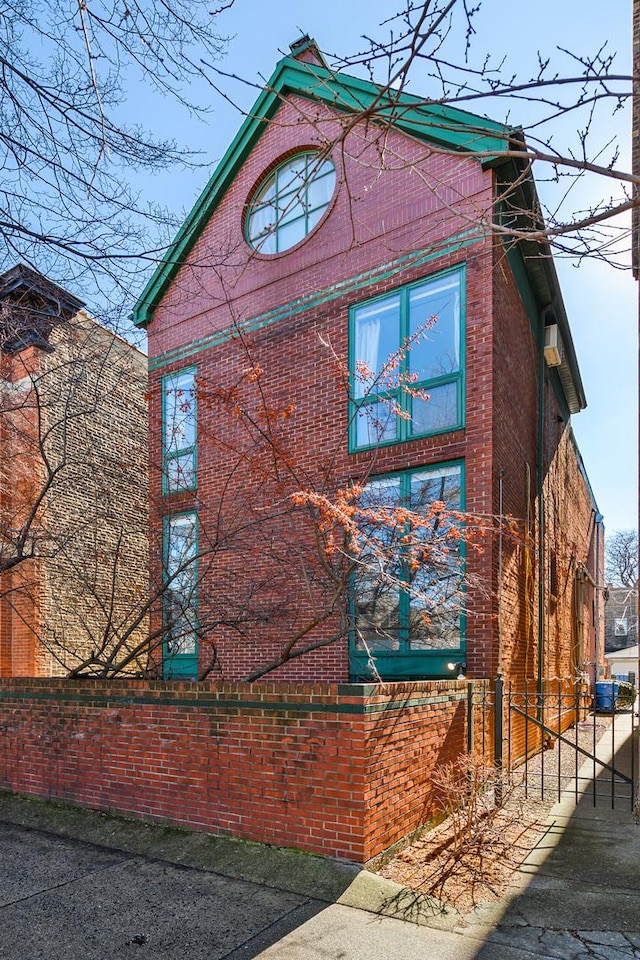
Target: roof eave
<point>445,126</point>
<point>538,260</point>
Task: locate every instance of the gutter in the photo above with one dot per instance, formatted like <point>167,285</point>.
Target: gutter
<point>541,512</point>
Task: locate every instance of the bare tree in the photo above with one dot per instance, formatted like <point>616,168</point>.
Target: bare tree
<point>439,47</point>
<point>73,481</point>
<point>621,550</point>
<point>69,205</point>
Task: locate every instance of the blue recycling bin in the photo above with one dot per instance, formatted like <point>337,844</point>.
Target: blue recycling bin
<point>606,696</point>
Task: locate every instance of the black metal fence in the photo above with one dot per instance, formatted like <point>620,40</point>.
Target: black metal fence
<point>561,739</point>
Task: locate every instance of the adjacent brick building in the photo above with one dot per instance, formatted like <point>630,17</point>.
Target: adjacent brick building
<point>73,486</point>
<point>346,305</point>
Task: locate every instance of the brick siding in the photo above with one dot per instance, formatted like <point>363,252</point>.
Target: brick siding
<point>343,771</point>
<point>398,207</point>
<point>79,408</point>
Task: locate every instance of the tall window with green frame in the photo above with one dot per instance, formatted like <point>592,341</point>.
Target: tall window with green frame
<point>180,595</point>
<point>406,362</point>
<point>408,585</point>
<point>179,426</point>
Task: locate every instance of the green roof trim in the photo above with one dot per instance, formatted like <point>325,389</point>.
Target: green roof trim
<point>447,127</point>
<point>309,300</point>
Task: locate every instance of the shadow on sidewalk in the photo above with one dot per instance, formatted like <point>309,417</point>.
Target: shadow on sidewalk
<point>580,890</point>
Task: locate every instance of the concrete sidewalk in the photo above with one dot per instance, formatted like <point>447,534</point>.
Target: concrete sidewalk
<point>83,885</point>
<point>579,891</point>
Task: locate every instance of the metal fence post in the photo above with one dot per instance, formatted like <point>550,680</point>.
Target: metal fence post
<point>497,737</point>
<point>470,716</point>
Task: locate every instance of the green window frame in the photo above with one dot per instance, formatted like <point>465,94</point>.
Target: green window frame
<point>407,362</point>
<point>180,595</point>
<point>389,631</point>
<point>290,202</point>
<point>179,431</point>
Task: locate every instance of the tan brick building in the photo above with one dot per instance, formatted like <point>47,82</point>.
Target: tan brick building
<point>73,486</point>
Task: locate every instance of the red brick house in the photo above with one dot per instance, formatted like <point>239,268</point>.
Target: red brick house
<point>347,225</point>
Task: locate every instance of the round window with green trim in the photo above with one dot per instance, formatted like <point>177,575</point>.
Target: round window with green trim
<point>290,202</point>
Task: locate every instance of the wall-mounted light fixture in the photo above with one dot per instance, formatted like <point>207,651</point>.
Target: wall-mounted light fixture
<point>460,667</point>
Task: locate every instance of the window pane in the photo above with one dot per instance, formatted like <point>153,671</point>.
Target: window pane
<point>179,412</point>
<point>291,234</point>
<point>267,243</point>
<point>291,174</point>
<point>377,503</point>
<point>181,584</point>
<point>180,472</point>
<point>434,328</point>
<point>320,168</point>
<point>180,634</point>
<point>314,217</point>
<point>442,484</point>
<point>375,423</point>
<point>291,207</point>
<point>436,584</point>
<point>377,333</point>
<point>268,192</point>
<point>181,544</point>
<point>262,221</point>
<point>378,573</point>
<point>320,191</point>
<point>437,628</point>
<point>438,412</point>
<point>376,623</point>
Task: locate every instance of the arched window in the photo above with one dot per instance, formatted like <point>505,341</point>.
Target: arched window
<point>290,202</point>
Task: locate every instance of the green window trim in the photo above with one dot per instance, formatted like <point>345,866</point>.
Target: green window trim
<point>179,431</point>
<point>180,573</point>
<point>407,661</point>
<point>290,202</point>
<point>392,403</point>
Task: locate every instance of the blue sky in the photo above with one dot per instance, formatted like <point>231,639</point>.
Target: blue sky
<point>601,300</point>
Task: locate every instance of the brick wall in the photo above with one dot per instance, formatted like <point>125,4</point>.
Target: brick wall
<point>73,425</point>
<point>339,770</point>
<point>515,360</point>
<point>262,581</point>
<point>569,510</point>
<point>96,584</point>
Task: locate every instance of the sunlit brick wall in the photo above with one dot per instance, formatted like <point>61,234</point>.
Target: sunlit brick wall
<point>344,771</point>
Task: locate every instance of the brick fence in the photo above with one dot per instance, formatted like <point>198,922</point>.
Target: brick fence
<point>343,770</point>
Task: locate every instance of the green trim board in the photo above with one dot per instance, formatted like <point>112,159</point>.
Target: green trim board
<point>444,126</point>
<point>237,705</point>
<point>361,281</point>
<point>407,662</point>
<point>391,407</point>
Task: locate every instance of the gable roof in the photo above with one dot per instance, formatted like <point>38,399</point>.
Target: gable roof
<point>305,74</point>
<point>445,126</point>
<point>626,653</point>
